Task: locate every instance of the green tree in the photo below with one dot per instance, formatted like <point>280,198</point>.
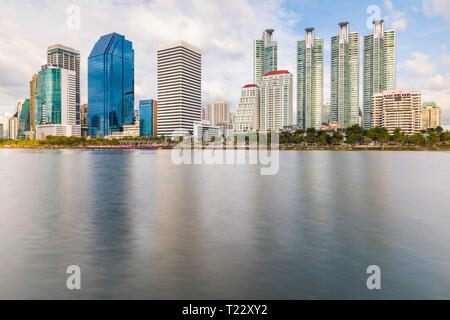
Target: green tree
<point>336,138</point>
<point>399,136</point>
<point>311,136</point>
<point>416,139</point>
<point>433,138</point>
<point>378,134</point>
<point>354,134</point>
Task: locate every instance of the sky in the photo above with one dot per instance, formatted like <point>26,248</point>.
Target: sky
<point>224,30</point>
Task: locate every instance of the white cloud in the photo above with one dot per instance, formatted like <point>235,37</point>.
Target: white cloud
<point>397,19</point>
<point>419,65</point>
<point>224,30</point>
<point>433,8</point>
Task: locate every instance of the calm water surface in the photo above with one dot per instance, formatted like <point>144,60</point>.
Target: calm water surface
<point>141,227</point>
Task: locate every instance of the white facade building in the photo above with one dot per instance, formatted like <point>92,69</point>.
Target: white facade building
<point>206,130</point>
<point>179,88</point>
<point>276,101</point>
<point>247,117</point>
<point>397,109</point>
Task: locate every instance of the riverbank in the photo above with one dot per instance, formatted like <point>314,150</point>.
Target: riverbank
<point>282,147</point>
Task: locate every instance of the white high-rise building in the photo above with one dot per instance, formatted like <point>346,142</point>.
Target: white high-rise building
<point>397,109</point>
<point>247,117</point>
<point>179,88</point>
<point>276,101</point>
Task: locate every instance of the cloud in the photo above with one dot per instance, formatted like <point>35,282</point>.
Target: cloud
<point>397,19</point>
<point>433,8</point>
<point>224,30</point>
<point>432,78</point>
<point>420,65</point>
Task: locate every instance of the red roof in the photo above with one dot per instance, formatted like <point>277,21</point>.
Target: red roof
<point>250,85</point>
<point>276,72</point>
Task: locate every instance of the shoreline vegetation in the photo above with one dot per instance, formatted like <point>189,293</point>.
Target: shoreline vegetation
<point>354,139</point>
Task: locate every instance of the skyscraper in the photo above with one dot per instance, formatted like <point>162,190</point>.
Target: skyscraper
<point>179,88</point>
<point>309,81</point>
<point>55,96</point>
<point>345,77</point>
<point>67,58</point>
<point>379,66</point>
<point>276,101</point>
<point>110,85</point>
<point>265,57</point>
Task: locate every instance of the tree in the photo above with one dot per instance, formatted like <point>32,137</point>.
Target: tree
<point>354,134</point>
<point>399,136</point>
<point>433,138</point>
<point>322,138</point>
<point>378,134</point>
<point>311,136</point>
<point>336,138</point>
<point>416,139</point>
<point>439,129</point>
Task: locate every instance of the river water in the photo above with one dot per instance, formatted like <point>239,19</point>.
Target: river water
<point>142,227</point>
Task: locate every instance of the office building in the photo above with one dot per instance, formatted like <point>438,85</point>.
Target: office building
<point>265,56</point>
<point>67,58</point>
<point>309,81</point>
<point>146,117</point>
<point>110,85</point>
<point>179,88</point>
<point>33,107</point>
<point>345,77</point>
<point>397,109</point>
<point>431,116</point>
<point>276,101</point>
<point>379,66</point>
<point>326,113</point>
<point>23,111</point>
<point>55,101</point>
<point>247,117</point>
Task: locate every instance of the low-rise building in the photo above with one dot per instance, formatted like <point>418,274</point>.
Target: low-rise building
<point>397,109</point>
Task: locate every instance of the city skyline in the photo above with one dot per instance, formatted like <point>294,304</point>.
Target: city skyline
<point>418,20</point>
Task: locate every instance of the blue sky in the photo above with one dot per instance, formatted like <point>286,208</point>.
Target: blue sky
<point>224,30</point>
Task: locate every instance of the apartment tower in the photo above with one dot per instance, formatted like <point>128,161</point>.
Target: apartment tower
<point>309,81</point>
<point>345,77</point>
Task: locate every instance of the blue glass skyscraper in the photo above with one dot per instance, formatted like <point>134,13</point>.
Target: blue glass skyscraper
<point>146,118</point>
<point>110,85</point>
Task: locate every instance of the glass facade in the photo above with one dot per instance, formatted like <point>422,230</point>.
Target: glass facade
<point>146,118</point>
<point>110,85</point>
<point>48,96</point>
<point>24,120</point>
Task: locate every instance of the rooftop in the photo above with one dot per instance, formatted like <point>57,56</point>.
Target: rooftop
<point>276,72</point>
<point>249,85</point>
